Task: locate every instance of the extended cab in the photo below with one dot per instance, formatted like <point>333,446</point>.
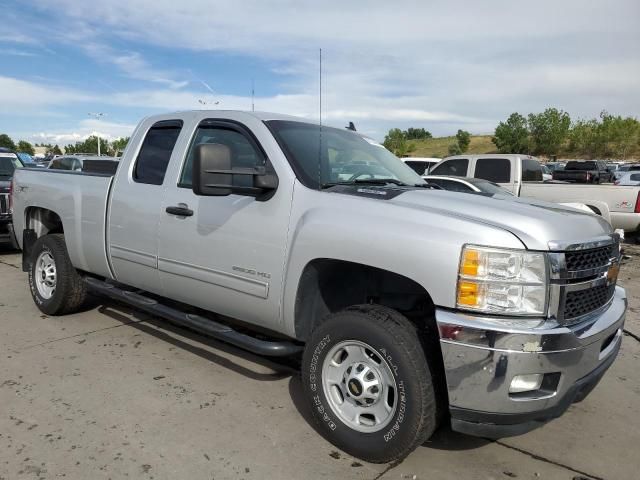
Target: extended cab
<point>522,176</point>
<point>405,300</point>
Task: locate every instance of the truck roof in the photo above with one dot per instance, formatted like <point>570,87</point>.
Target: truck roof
<point>263,116</point>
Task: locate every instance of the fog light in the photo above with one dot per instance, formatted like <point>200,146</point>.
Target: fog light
<point>526,383</point>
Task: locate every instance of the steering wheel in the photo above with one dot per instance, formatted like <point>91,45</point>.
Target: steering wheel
<point>360,173</point>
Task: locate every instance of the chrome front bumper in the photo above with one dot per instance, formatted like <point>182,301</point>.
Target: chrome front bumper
<point>481,357</point>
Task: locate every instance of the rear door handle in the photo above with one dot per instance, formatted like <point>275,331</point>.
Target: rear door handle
<point>180,210</point>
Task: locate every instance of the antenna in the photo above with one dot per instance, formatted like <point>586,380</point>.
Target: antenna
<point>320,124</point>
<point>253,93</point>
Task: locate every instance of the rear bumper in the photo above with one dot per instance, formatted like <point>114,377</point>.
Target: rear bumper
<point>481,359</point>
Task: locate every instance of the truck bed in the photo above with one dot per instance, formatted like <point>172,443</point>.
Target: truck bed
<point>80,199</point>
<point>621,200</point>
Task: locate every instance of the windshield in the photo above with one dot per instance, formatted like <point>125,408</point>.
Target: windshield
<point>581,166</point>
<point>8,163</point>
<point>343,156</point>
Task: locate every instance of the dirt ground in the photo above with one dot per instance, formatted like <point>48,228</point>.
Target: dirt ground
<point>110,393</point>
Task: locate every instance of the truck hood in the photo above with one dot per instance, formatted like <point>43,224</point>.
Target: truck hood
<point>534,222</point>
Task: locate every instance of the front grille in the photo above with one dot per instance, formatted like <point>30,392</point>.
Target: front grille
<point>588,259</point>
<point>581,302</point>
<point>4,204</point>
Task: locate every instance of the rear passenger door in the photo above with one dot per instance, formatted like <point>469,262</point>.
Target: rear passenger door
<point>496,170</point>
<point>136,202</point>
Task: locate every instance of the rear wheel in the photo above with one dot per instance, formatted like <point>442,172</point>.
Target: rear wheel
<point>55,285</point>
<point>369,384</point>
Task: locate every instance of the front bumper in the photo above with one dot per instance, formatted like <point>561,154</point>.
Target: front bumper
<point>481,357</point>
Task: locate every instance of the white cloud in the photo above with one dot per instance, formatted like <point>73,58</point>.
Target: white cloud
<point>438,64</point>
<point>133,65</point>
<point>86,128</point>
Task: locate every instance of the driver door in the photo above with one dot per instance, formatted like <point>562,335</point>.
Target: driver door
<point>227,253</point>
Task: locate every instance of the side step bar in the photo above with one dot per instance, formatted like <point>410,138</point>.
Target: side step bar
<point>198,323</point>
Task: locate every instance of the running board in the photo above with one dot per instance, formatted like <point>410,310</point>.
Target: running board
<point>198,323</point>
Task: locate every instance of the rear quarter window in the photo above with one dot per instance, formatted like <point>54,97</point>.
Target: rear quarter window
<point>497,170</point>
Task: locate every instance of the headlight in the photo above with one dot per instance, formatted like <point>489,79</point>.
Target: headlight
<point>499,281</point>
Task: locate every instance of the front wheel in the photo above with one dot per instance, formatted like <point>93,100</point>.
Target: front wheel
<point>367,379</point>
<point>55,285</point>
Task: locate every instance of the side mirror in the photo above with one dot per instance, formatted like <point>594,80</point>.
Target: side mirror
<point>213,174</point>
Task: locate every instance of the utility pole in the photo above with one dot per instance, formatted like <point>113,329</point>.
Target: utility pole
<point>253,94</point>
<point>97,116</point>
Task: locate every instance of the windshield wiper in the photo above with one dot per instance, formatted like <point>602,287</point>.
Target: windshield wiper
<point>381,181</point>
<point>368,181</point>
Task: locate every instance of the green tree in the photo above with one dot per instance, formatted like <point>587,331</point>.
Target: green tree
<point>618,135</point>
<point>26,147</point>
<point>6,142</point>
<point>70,149</point>
<point>417,134</point>
<point>118,146</point>
<point>512,136</point>
<point>549,130</point>
<point>53,150</point>
<point>454,149</point>
<point>396,142</point>
<point>464,139</point>
<point>90,145</point>
<point>585,138</point>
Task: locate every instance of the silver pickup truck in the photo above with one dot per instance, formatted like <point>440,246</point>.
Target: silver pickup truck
<point>411,305</point>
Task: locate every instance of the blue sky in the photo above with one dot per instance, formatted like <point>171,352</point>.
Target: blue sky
<point>440,65</point>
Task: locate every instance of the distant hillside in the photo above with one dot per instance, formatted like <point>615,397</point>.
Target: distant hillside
<point>439,147</point>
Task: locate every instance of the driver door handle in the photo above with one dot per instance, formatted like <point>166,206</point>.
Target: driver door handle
<point>181,210</point>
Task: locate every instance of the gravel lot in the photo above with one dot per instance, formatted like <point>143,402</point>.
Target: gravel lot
<point>112,393</point>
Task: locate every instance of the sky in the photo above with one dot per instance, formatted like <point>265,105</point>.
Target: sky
<point>439,65</point>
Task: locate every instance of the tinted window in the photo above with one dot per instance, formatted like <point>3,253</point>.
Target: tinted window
<point>531,171</point>
<point>635,177</point>
<point>419,167</point>
<point>155,152</point>
<point>8,163</point>
<point>456,167</point>
<point>633,168</point>
<point>243,153</point>
<point>581,166</point>
<point>496,170</point>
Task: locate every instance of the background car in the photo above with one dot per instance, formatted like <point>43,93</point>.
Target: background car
<point>547,174</point>
<point>628,167</point>
<point>79,162</point>
<point>553,166</point>
<point>629,178</point>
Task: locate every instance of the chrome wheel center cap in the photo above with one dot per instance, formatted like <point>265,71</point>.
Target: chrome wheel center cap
<point>362,384</point>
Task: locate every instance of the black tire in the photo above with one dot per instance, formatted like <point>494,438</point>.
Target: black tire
<point>70,290</point>
<point>391,334</point>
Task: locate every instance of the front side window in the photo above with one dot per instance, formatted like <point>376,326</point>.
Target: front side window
<point>243,153</point>
<point>332,155</point>
<point>155,153</point>
<point>531,170</point>
<point>497,170</point>
<point>456,167</point>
